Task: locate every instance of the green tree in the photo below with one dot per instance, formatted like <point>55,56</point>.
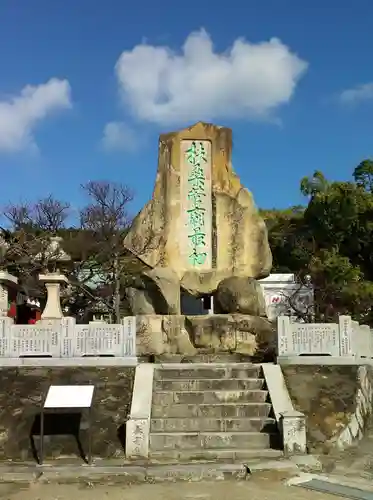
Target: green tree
<point>314,184</point>
<point>363,175</point>
<point>330,240</point>
<point>340,287</point>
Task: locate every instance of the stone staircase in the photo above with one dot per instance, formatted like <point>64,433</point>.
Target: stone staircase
<point>211,412</point>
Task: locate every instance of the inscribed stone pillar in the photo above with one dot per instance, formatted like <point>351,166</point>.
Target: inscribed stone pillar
<point>201,222</point>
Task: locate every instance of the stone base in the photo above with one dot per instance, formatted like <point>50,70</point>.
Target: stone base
<point>183,338</point>
<point>203,356</point>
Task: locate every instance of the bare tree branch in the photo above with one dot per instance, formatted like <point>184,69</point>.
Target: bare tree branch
<point>50,214</point>
<point>25,248</point>
<point>300,302</point>
<point>47,214</point>
<point>107,218</point>
<point>19,216</point>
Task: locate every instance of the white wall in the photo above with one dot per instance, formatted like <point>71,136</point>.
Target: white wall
<point>277,289</point>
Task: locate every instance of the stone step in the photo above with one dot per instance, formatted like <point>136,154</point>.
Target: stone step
<point>234,384</point>
<point>209,440</point>
<point>182,372</point>
<point>212,410</point>
<point>198,397</point>
<point>213,424</point>
<point>216,455</point>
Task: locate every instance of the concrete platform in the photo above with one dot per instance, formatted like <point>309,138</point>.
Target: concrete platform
<point>137,473</point>
<point>323,360</point>
<point>61,362</point>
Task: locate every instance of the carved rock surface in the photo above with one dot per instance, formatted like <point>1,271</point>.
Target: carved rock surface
<point>240,295</point>
<point>188,335</point>
<point>207,235</point>
<point>156,335</point>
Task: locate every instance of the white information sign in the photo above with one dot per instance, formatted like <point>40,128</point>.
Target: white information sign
<point>69,396</point>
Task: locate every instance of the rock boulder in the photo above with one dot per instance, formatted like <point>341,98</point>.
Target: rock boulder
<point>201,223</point>
<point>240,295</point>
<point>156,291</point>
<point>188,335</point>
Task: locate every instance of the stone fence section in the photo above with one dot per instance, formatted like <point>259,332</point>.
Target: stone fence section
<point>63,338</point>
<point>344,339</point>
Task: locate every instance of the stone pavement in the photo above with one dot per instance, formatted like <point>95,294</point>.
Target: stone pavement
<point>266,486</point>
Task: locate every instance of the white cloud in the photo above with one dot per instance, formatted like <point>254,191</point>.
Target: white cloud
<point>250,80</point>
<point>358,94</point>
<point>118,136</point>
<point>20,114</point>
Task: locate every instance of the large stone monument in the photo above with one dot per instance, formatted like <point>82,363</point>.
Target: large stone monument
<point>199,236</point>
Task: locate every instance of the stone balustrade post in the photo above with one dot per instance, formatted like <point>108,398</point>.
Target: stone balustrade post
<point>346,342</point>
<point>293,427</point>
<point>129,331</point>
<point>5,335</point>
<point>138,423</point>
<point>68,337</point>
<point>366,351</point>
<point>284,345</point>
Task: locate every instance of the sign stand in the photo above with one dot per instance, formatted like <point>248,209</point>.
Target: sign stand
<point>72,397</point>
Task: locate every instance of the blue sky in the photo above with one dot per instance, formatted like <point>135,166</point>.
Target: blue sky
<point>98,102</point>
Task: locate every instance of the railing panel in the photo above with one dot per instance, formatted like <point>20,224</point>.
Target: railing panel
<point>315,338</point>
<point>63,338</point>
<point>101,339</point>
<point>34,340</point>
<point>346,339</point>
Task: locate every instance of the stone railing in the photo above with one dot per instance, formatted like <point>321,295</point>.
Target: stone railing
<point>344,339</point>
<point>58,336</point>
<point>62,338</point>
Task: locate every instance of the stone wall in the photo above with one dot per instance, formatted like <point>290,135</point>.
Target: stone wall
<point>23,390</point>
<point>357,423</point>
<point>327,396</point>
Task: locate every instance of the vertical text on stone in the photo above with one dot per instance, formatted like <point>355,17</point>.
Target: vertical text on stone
<point>196,204</point>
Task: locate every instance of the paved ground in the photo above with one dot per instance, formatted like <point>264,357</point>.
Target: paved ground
<point>268,486</point>
<point>356,462</point>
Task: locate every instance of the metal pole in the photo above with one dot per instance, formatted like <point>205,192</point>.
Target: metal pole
<point>41,459</point>
<point>89,437</point>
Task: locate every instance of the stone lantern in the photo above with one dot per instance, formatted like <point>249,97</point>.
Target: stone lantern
<point>7,281</point>
<point>53,280</point>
